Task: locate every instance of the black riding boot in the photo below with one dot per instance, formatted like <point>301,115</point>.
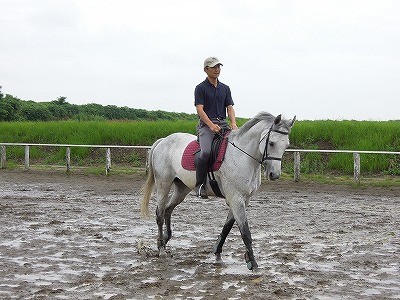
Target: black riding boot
<point>201,178</point>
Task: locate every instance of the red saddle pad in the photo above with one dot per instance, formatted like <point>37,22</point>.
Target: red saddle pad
<point>193,147</point>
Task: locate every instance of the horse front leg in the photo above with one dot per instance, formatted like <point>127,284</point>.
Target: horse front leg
<point>239,212</point>
<point>217,250</point>
<point>249,255</point>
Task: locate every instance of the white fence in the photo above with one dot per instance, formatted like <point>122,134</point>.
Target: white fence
<point>356,157</point>
<point>3,155</point>
<point>3,160</point>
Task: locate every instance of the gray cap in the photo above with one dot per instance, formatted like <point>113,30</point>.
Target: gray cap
<point>211,62</point>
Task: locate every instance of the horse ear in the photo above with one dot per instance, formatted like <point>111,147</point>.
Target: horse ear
<point>278,119</point>
<point>294,119</point>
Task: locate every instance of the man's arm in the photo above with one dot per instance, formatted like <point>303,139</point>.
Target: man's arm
<point>232,117</point>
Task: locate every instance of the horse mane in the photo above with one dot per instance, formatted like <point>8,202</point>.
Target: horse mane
<point>261,116</point>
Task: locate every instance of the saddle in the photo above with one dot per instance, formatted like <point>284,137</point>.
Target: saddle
<point>218,150</point>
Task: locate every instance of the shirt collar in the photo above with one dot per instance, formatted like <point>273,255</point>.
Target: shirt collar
<point>209,83</point>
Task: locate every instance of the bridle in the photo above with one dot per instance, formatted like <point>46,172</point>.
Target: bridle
<point>265,156</point>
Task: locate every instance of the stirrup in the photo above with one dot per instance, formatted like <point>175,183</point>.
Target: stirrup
<point>201,191</point>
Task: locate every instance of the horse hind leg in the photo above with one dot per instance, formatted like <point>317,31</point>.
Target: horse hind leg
<point>162,199</point>
<point>217,250</point>
<point>160,223</point>
<point>180,191</point>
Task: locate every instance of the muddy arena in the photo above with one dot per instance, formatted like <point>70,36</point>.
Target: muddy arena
<point>81,237</point>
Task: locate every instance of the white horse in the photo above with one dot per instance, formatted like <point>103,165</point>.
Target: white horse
<point>260,141</point>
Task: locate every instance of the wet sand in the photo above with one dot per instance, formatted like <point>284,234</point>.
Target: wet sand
<point>81,237</point>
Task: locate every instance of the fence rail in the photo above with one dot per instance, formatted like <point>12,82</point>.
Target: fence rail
<point>356,157</point>
<point>3,160</point>
<point>296,153</point>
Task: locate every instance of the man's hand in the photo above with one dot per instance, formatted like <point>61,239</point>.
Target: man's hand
<point>234,126</point>
<point>214,128</point>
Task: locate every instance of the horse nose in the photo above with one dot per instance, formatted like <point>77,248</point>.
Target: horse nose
<point>273,176</point>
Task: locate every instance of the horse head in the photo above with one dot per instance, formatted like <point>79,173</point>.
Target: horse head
<point>274,141</point>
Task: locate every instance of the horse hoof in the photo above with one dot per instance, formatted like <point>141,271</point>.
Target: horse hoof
<point>166,238</point>
<point>252,266</point>
<point>218,258</point>
<point>162,253</point>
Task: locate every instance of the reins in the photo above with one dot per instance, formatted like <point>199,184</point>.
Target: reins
<point>265,153</point>
<point>249,155</point>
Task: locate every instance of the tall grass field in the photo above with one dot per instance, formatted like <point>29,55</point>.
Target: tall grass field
<point>327,134</point>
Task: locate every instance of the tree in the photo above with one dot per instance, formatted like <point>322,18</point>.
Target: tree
<point>9,108</point>
<point>35,111</point>
<point>60,100</point>
<point>14,109</point>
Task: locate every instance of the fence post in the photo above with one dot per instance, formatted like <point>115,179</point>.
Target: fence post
<point>296,166</point>
<point>108,161</point>
<point>3,161</point>
<point>26,165</point>
<point>68,159</point>
<point>356,167</point>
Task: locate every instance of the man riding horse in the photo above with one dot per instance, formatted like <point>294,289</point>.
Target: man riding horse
<point>213,100</point>
<point>261,141</point>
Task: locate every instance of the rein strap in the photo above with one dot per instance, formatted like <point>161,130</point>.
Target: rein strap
<point>265,154</point>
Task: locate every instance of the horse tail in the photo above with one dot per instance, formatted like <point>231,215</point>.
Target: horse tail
<point>148,186</point>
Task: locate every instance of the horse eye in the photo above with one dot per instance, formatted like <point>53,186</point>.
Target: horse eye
<point>271,144</point>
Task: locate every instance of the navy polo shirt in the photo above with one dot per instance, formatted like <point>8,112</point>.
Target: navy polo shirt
<point>214,99</point>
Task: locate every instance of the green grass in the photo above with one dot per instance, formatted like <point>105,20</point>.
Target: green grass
<point>322,134</point>
<point>348,135</point>
<point>91,132</point>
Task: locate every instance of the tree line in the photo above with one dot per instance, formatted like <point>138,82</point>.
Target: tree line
<point>15,109</point>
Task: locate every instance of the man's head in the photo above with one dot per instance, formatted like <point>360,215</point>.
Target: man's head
<point>212,67</point>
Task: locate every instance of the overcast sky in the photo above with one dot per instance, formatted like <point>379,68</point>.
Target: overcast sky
<point>330,59</point>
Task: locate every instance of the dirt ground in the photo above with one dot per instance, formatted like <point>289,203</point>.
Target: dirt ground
<point>81,237</point>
